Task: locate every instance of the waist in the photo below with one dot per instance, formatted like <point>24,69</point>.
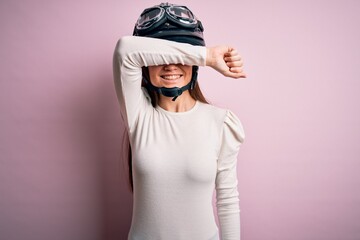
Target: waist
<point>144,235</point>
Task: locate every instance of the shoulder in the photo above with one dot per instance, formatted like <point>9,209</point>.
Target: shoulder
<point>217,112</point>
<point>228,121</point>
<point>212,110</point>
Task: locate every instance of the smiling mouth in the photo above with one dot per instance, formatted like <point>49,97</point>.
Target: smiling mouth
<point>171,77</point>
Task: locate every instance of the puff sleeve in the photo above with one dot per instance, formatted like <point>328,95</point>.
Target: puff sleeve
<point>227,196</point>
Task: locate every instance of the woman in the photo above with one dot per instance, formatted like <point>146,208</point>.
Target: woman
<point>181,146</point>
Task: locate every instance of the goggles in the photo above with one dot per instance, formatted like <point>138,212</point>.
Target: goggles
<point>152,18</point>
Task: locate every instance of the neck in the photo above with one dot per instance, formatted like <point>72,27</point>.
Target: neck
<point>182,104</point>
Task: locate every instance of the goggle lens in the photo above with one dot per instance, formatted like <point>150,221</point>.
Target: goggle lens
<point>149,16</point>
<point>181,12</point>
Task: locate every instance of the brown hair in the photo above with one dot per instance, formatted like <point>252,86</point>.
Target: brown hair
<point>195,93</point>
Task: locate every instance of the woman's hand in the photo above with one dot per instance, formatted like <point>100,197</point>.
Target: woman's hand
<point>225,60</point>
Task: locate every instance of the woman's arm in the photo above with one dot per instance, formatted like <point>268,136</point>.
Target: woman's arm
<point>133,53</point>
<point>227,195</point>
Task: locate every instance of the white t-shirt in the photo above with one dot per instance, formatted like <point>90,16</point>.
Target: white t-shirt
<point>179,158</point>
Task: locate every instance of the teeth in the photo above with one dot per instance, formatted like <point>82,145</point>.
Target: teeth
<point>171,77</point>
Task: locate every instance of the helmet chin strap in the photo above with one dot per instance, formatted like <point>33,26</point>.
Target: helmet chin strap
<point>174,92</point>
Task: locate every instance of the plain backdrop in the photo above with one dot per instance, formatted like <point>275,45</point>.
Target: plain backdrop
<point>61,174</point>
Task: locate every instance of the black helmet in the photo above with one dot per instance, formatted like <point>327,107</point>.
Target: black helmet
<point>171,22</point>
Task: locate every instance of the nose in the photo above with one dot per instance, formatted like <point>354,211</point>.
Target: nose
<point>170,67</point>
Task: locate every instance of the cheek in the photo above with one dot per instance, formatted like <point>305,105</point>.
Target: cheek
<point>153,72</point>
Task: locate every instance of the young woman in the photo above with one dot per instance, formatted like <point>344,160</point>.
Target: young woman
<point>181,146</point>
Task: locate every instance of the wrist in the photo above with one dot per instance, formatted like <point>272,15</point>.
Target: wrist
<point>209,58</point>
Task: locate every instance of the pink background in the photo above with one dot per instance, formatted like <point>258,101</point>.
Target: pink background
<point>61,131</point>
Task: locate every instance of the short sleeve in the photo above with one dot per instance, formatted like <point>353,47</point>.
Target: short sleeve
<point>227,196</point>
